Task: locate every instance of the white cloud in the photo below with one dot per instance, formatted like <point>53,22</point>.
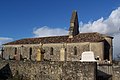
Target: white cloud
<point>46,31</point>
<point>110,26</point>
<point>5,40</point>
<point>116,44</point>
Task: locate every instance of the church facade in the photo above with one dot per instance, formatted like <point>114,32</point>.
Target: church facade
<point>61,48</point>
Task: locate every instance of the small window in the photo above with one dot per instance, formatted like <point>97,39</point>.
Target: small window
<point>2,50</point>
<point>51,51</point>
<point>15,51</point>
<point>30,53</point>
<point>75,50</point>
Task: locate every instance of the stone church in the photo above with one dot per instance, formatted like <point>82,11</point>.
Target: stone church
<point>61,48</point>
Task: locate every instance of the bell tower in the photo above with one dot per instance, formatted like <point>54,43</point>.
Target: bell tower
<point>74,25</point>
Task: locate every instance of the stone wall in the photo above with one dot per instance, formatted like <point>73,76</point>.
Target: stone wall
<point>71,54</point>
<point>109,71</point>
<point>116,71</point>
<point>51,70</point>
<point>104,71</point>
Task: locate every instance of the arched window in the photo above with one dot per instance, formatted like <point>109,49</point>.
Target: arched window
<point>15,55</point>
<point>15,51</point>
<point>51,51</point>
<point>2,50</point>
<point>75,50</point>
<point>30,53</point>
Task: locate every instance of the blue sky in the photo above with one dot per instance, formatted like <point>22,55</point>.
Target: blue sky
<point>18,18</point>
<point>36,18</point>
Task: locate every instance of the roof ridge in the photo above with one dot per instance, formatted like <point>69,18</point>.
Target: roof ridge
<point>50,36</point>
<point>89,33</point>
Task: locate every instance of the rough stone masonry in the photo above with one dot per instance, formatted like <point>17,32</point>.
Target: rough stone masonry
<point>44,70</point>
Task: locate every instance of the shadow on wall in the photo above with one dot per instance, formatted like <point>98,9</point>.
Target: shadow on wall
<point>5,72</point>
<point>106,51</point>
<point>103,76</point>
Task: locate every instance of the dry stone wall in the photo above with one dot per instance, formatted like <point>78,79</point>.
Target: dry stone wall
<point>108,71</point>
<point>51,70</point>
<point>116,71</point>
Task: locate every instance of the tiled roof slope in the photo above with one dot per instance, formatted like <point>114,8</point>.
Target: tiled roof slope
<point>81,37</point>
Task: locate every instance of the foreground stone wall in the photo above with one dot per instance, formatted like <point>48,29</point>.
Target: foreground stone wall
<point>105,71</point>
<point>116,71</point>
<point>109,71</point>
<point>50,70</point>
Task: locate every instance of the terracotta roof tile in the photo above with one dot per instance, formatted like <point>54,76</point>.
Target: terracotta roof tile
<point>81,37</point>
